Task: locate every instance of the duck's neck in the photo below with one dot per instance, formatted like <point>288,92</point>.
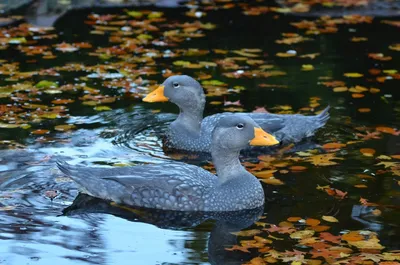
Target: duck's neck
<point>227,164</point>
<point>190,117</point>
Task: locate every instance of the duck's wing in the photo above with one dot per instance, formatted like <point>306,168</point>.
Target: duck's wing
<point>291,128</point>
<point>169,186</point>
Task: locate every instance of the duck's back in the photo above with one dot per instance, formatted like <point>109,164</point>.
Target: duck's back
<point>169,186</point>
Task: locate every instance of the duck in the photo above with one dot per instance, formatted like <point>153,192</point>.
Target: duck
<point>191,132</point>
<point>179,186</point>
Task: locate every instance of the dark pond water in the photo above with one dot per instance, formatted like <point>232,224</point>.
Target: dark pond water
<point>81,230</point>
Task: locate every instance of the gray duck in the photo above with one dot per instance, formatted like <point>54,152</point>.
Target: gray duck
<point>182,187</point>
<point>191,132</point>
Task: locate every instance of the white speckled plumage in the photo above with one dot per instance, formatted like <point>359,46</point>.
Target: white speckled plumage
<point>193,133</point>
<point>179,186</point>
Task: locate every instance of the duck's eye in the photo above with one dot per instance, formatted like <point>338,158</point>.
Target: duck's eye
<point>176,85</point>
<point>240,126</point>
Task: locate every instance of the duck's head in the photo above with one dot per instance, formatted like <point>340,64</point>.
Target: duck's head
<point>182,90</point>
<point>236,131</point>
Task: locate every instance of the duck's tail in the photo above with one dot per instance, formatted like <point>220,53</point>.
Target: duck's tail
<point>78,174</point>
<point>323,117</point>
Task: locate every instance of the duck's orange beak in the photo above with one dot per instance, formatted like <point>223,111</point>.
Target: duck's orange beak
<point>156,96</point>
<point>261,138</point>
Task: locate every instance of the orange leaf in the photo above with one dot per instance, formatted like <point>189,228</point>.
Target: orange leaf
<point>313,222</point>
<point>361,186</point>
<point>374,90</point>
<point>285,224</point>
<point>352,236</point>
<point>273,181</point>
<point>367,151</point>
<point>364,110</point>
<point>40,132</point>
<point>387,130</point>
<point>257,261</point>
<point>333,145</point>
<point>357,95</point>
<point>320,228</point>
<point>294,219</point>
<point>340,89</point>
<point>297,168</point>
<point>265,173</point>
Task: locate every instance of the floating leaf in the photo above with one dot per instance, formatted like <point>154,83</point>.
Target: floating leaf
<point>46,84</point>
<point>273,181</point>
<point>297,168</point>
<point>329,219</point>
<point>102,108</point>
<point>364,110</point>
<point>302,234</point>
<point>307,67</point>
<point>340,89</point>
<point>312,222</point>
<point>354,75</point>
<point>9,125</point>
<point>64,127</point>
<point>40,132</point>
<point>367,151</point>
<point>333,146</point>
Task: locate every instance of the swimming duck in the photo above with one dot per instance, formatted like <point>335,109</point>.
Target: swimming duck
<point>183,187</point>
<point>193,133</point>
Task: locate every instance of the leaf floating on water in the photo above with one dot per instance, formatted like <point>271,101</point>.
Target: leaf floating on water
<point>395,47</point>
<point>40,132</point>
<point>367,151</point>
<point>307,67</point>
<point>64,127</point>
<point>361,186</point>
<point>9,125</point>
<point>379,56</point>
<point>330,219</point>
<point>312,222</point>
<point>358,39</point>
<point>273,181</point>
<point>46,84</point>
<point>302,234</point>
<point>252,232</point>
<point>340,89</point>
<point>353,75</point>
<point>297,168</point>
<point>294,219</point>
<point>333,146</point>
<point>102,108</point>
<point>387,130</point>
<point>364,110</point>
<point>357,95</point>
<point>323,159</point>
<point>286,54</point>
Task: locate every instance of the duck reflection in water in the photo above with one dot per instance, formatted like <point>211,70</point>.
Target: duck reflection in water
<point>220,238</point>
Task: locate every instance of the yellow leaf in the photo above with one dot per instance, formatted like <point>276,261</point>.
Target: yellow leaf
<point>307,67</point>
<point>102,108</point>
<point>340,89</point>
<point>302,234</point>
<point>329,219</point>
<point>354,75</point>
<point>64,127</point>
<point>273,181</point>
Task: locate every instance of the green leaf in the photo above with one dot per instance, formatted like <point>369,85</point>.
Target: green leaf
<point>46,84</point>
<point>102,108</point>
<point>135,14</point>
